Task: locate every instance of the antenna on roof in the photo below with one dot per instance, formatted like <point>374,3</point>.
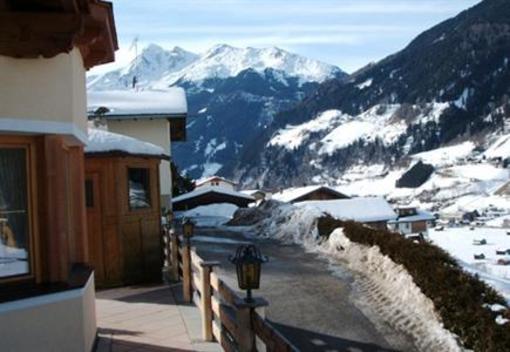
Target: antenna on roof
<point>134,45</point>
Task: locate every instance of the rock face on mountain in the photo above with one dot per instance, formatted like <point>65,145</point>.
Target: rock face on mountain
<point>452,83</point>
<point>233,95</point>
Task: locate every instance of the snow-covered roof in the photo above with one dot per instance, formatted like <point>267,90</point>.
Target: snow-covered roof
<point>362,209</point>
<point>203,190</point>
<point>101,141</point>
<point>168,102</point>
<point>214,178</point>
<point>421,215</point>
<point>291,194</point>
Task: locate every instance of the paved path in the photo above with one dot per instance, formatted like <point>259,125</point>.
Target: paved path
<point>308,304</point>
<point>143,319</point>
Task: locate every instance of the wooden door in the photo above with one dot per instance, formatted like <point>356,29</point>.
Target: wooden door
<point>94,225</point>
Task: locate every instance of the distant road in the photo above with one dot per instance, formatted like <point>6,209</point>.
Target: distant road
<point>308,304</point>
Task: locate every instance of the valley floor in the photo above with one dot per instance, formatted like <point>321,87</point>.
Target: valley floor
<point>313,302</point>
<point>459,242</point>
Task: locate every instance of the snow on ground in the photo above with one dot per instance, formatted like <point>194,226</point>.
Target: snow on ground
<point>210,169</point>
<point>393,289</point>
<point>13,261</point>
<point>377,122</point>
<point>458,241</point>
<point>387,288</point>
<point>101,141</point>
<point>291,137</point>
<point>209,215</point>
<point>500,148</point>
<point>447,155</point>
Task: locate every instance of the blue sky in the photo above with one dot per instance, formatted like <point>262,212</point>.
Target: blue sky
<point>347,33</point>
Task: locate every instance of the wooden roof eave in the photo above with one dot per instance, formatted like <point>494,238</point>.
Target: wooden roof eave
<point>122,154</point>
<point>32,29</point>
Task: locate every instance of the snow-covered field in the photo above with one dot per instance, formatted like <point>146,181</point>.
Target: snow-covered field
<point>459,241</point>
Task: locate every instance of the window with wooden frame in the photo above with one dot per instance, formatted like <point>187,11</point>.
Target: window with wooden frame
<point>16,228</point>
<point>139,188</point>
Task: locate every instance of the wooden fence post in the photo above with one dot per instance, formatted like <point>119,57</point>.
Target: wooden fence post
<point>186,272</point>
<point>174,255</point>
<point>205,299</point>
<point>246,335</point>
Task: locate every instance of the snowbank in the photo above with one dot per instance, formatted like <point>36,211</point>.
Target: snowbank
<point>386,286</point>
<point>101,141</point>
<point>393,292</point>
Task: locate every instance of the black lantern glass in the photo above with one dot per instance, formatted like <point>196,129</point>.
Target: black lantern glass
<point>188,227</point>
<point>248,261</point>
<point>169,216</point>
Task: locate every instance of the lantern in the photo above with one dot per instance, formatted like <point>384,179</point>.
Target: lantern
<point>188,226</point>
<point>169,218</point>
<point>248,261</point>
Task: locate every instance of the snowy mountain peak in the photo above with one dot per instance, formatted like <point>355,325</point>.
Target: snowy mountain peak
<point>156,67</point>
<point>222,61</point>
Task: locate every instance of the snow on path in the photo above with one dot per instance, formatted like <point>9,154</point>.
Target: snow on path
<point>385,287</point>
<point>391,291</point>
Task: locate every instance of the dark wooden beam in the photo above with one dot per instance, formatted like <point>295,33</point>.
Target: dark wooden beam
<point>70,6</point>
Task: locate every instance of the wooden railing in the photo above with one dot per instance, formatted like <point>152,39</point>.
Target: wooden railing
<point>226,318</point>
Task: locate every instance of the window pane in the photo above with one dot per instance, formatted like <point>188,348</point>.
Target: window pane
<point>139,191</point>
<point>14,226</point>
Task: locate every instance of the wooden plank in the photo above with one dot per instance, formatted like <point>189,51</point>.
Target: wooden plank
<point>216,331</point>
<point>227,343</point>
<point>215,306</point>
<point>228,319</point>
<point>195,259</point>
<point>225,292</point>
<point>196,300</point>
<point>196,282</point>
<point>272,338</point>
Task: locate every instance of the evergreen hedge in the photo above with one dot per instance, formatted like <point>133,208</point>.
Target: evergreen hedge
<point>459,297</point>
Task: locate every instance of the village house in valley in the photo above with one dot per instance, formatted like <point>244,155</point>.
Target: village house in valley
<point>213,190</point>
<point>373,211</point>
<point>412,220</point>
<point>47,300</point>
<point>308,193</point>
<point>154,116</point>
<point>123,208</point>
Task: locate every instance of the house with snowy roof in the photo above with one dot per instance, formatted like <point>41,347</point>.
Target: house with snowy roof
<point>373,211</point>
<point>154,116</point>
<point>206,195</point>
<point>216,181</point>
<point>308,193</point>
<point>123,208</point>
<point>412,220</point>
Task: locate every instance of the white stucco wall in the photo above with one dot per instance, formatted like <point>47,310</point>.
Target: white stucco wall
<point>44,95</point>
<point>154,131</point>
<point>64,321</point>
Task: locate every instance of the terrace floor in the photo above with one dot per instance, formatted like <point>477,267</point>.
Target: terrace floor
<point>148,319</point>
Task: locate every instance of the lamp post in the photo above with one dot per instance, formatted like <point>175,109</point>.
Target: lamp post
<point>248,260</point>
<point>169,217</point>
<point>188,227</point>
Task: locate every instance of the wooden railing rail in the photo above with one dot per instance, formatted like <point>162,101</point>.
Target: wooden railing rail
<point>226,318</point>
